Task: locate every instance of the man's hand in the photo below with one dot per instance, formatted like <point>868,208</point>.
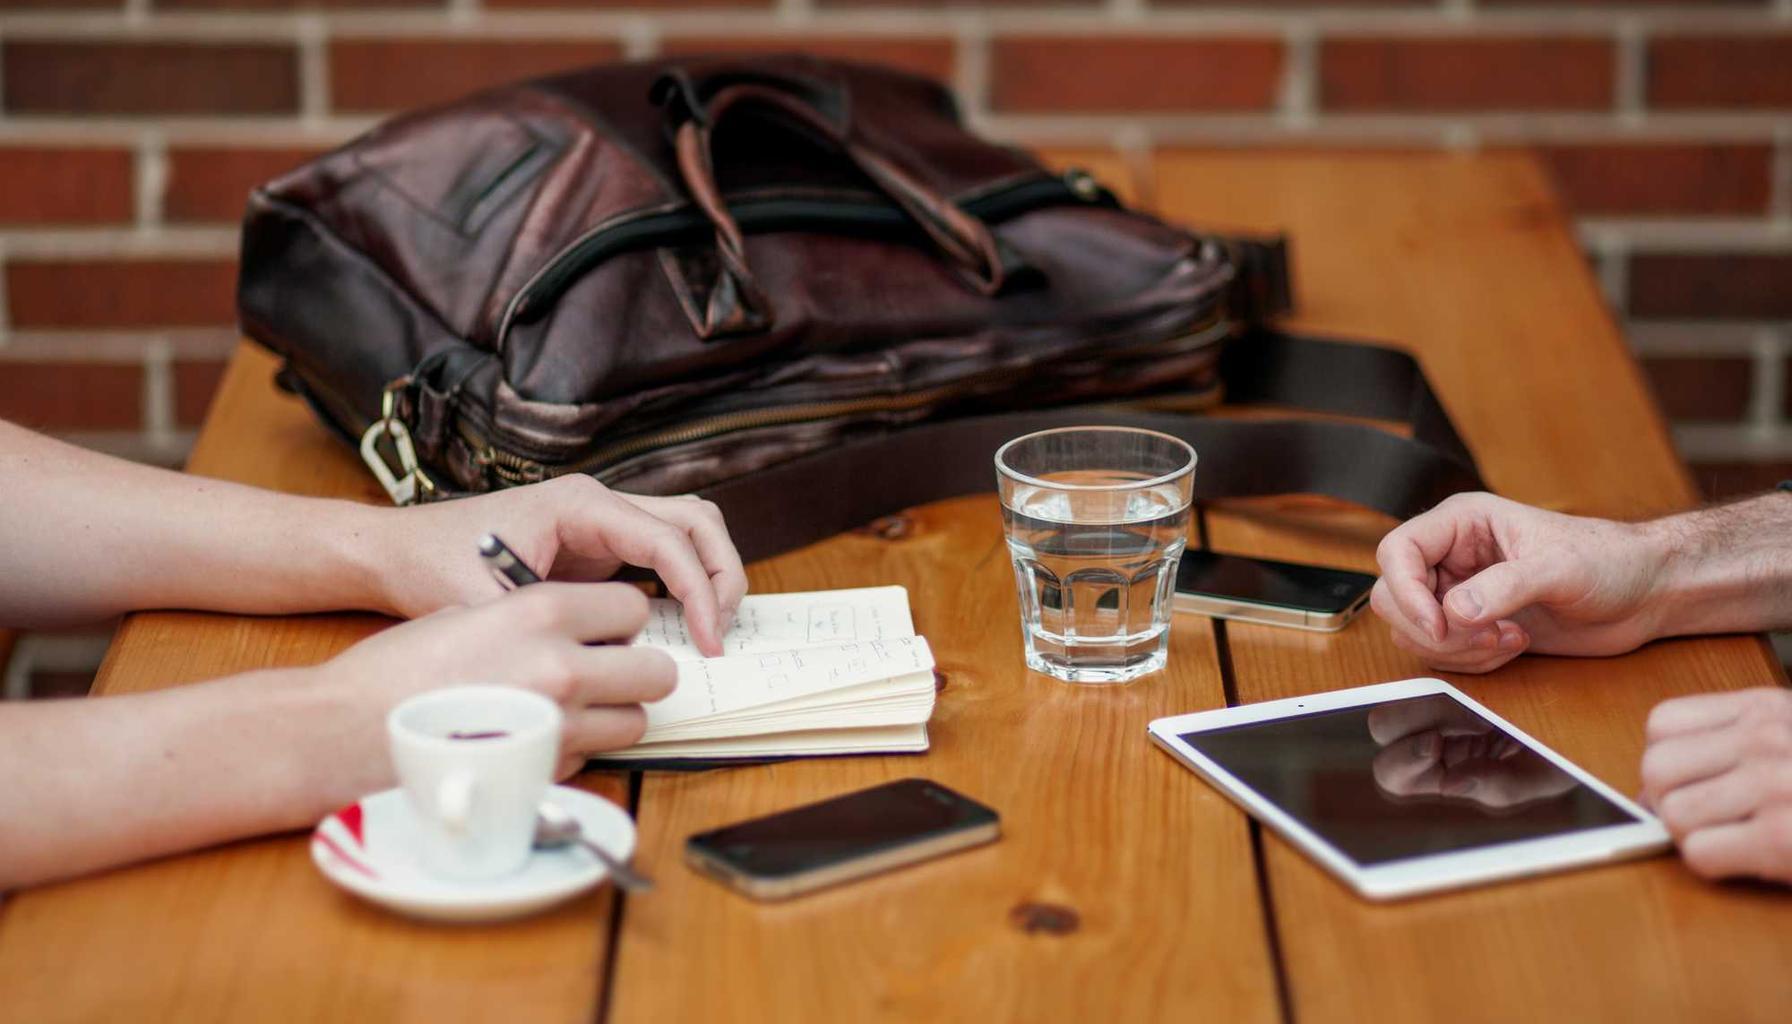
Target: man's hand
<point>1478,580</point>
<point>572,529</point>
<point>533,639</point>
<point>1718,772</point>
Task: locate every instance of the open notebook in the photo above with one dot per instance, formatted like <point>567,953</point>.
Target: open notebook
<point>803,675</point>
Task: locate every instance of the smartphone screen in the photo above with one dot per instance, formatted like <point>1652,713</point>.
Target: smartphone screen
<point>1285,584</point>
<point>856,826</point>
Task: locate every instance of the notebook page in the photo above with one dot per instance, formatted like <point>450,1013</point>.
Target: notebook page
<point>782,622</point>
<point>715,686</point>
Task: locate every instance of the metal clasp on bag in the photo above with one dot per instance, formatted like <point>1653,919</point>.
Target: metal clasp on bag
<point>410,484</point>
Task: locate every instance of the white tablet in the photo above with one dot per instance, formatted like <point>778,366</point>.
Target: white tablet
<point>1409,787</point>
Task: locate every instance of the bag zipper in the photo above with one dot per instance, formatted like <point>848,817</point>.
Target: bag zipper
<point>515,469</point>
<point>755,216</point>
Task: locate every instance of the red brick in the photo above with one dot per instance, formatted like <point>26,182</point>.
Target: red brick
<point>1464,73</point>
<point>597,5</point>
<point>930,57</point>
<point>1296,4</point>
<point>150,78</point>
<point>121,293</point>
<point>283,5</point>
<point>1700,388</point>
<point>1721,71</point>
<point>1146,74</point>
<point>1545,4</point>
<point>212,184</point>
<point>950,4</point>
<point>195,382</point>
<point>1674,178</point>
<point>66,185</point>
<point>394,74</point>
<point>72,396</point>
<point>1741,286</point>
<point>1733,479</point>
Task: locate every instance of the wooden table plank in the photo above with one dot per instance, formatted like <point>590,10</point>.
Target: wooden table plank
<point>1466,261</point>
<point>251,931</point>
<point>1158,872</point>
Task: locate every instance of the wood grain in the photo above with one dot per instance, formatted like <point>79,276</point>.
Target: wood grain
<point>1096,821</point>
<point>1482,281</point>
<point>252,931</point>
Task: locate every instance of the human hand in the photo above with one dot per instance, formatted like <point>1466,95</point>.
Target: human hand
<point>1476,581</point>
<point>571,528</point>
<point>533,639</point>
<point>1437,747</point>
<point>1718,772</point>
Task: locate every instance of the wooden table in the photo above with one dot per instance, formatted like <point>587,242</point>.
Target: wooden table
<point>1124,888</point>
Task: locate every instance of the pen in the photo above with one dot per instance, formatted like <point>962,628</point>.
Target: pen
<point>509,569</point>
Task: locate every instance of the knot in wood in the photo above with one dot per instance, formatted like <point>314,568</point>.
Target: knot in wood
<point>893,527</point>
<point>1048,918</point>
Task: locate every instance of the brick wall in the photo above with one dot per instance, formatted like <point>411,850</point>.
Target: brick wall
<point>130,131</point>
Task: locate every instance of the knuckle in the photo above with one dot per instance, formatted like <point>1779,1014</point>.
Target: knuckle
<point>1765,703</point>
<point>1654,770</point>
<point>1768,738</point>
<point>537,608</point>
<point>1778,831</point>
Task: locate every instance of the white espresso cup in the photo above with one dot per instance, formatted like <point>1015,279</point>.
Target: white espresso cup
<point>476,762</point>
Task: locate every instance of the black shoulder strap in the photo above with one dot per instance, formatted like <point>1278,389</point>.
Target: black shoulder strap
<point>806,499</point>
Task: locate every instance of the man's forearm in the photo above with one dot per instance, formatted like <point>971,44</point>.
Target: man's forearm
<point>1727,569</point>
<point>89,536</point>
<point>96,783</point>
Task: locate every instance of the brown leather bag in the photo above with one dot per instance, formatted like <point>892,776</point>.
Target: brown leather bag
<point>799,287</point>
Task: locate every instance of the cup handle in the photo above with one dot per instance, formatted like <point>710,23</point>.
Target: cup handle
<point>454,800</point>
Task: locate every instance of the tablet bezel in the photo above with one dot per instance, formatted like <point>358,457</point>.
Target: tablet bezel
<point>1414,875</point>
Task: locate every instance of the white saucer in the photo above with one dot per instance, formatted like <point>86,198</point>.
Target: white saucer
<point>368,848</point>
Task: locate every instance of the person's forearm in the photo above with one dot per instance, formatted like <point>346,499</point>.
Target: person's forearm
<point>1726,569</point>
<point>92,784</point>
<point>88,536</point>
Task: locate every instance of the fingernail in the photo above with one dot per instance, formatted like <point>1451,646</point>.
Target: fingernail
<point>1427,745</point>
<point>1487,638</point>
<point>1511,641</point>
<point>1466,602</point>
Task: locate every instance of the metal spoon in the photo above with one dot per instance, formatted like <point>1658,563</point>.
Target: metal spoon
<point>554,828</point>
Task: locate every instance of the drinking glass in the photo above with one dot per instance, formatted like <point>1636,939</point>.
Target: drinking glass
<point>1096,520</point>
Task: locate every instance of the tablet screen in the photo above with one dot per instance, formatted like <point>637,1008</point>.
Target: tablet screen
<point>1406,778</point>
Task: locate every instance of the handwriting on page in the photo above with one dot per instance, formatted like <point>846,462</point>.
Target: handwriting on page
<point>782,622</point>
<point>714,686</point>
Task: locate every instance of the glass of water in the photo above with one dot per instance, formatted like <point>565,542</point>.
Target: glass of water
<point>1096,519</point>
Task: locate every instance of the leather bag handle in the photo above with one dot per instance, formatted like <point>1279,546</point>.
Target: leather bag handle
<point>739,303</point>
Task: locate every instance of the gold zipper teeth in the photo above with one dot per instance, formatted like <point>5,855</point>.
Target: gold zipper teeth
<point>516,469</point>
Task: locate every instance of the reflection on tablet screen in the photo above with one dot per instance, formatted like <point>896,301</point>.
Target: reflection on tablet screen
<point>1406,778</point>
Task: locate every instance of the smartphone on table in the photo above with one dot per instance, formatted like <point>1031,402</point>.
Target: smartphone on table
<point>842,839</point>
<point>1273,593</point>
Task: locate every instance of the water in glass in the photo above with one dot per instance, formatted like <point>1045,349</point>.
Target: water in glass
<point>1095,570</point>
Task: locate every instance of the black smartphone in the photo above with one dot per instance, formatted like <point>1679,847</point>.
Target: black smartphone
<point>1275,593</point>
<point>842,839</point>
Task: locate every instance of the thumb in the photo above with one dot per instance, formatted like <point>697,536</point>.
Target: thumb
<point>1501,590</point>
